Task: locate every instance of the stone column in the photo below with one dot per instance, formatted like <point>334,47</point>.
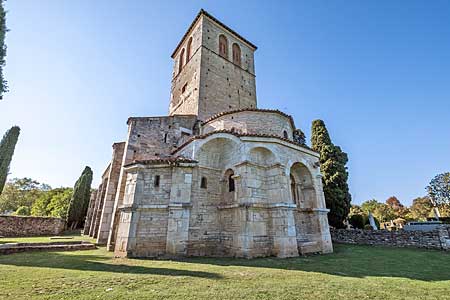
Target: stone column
<point>128,215</point>
<point>178,229</point>
<point>90,213</point>
<point>283,230</point>
<point>98,210</point>
<point>120,192</point>
<point>126,232</point>
<point>110,194</point>
<point>179,211</point>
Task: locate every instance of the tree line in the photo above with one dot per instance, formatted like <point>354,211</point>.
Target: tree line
<point>334,172</point>
<point>392,209</point>
<point>28,197</point>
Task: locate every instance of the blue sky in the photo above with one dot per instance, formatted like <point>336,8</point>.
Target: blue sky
<point>377,72</point>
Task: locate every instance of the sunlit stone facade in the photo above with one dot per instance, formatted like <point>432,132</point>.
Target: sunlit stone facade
<point>218,176</point>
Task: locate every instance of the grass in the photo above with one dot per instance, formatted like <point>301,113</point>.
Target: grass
<point>352,272</point>
<point>68,236</point>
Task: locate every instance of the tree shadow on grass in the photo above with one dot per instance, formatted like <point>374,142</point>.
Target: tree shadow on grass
<point>356,261</point>
<point>96,263</point>
<point>347,261</point>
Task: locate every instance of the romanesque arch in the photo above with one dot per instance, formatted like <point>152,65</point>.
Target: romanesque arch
<point>223,46</point>
<point>188,49</point>
<point>181,61</point>
<point>236,54</point>
<point>218,153</point>
<point>303,192</point>
<point>262,156</point>
<point>228,189</point>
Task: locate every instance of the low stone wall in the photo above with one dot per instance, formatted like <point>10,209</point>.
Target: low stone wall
<point>436,239</point>
<point>10,248</point>
<point>13,226</point>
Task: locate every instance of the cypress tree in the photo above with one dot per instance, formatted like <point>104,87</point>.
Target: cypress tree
<point>7,146</point>
<point>79,202</point>
<point>3,30</point>
<point>334,174</point>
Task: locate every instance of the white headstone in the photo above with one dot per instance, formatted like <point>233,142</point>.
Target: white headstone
<point>372,221</point>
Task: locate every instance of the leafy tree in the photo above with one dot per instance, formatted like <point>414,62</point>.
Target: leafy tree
<point>384,213</point>
<point>369,206</point>
<point>334,174</point>
<point>39,207</point>
<point>22,211</point>
<point>59,204</point>
<point>7,145</point>
<point>394,202</point>
<point>421,208</point>
<point>3,30</point>
<point>399,209</point>
<point>357,221</point>
<point>299,137</point>
<point>444,210</point>
<point>52,203</point>
<point>439,189</point>
<point>79,202</point>
<point>21,192</point>
<point>356,210</point>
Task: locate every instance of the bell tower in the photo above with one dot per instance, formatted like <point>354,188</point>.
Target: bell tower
<point>213,70</point>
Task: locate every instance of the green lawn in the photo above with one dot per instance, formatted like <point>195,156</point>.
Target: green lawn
<point>352,272</point>
<point>68,236</point>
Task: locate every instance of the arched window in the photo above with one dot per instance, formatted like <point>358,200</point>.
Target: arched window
<point>228,187</point>
<point>188,49</point>
<point>204,183</point>
<point>181,62</point>
<point>231,187</point>
<point>285,134</point>
<point>223,46</point>
<point>236,54</point>
<point>294,190</point>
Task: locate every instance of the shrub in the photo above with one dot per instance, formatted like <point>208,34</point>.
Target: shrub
<point>357,221</point>
<point>368,227</point>
<point>22,211</point>
<point>368,223</point>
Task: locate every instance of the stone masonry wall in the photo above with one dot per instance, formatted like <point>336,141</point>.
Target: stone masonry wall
<point>110,193</point>
<point>209,83</point>
<point>148,138</point>
<point>254,122</point>
<point>185,84</point>
<point>436,239</point>
<point>13,226</point>
<point>224,85</point>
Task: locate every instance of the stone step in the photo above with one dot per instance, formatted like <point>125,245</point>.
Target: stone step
<point>11,248</point>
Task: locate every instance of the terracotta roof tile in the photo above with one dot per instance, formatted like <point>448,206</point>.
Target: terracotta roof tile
<point>171,160</point>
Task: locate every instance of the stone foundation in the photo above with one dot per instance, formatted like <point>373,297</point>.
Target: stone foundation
<point>436,239</point>
<point>14,226</point>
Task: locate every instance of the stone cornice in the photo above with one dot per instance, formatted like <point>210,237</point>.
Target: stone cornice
<point>131,119</point>
<point>259,205</point>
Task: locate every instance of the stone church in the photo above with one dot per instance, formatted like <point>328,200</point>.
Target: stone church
<point>217,176</point>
